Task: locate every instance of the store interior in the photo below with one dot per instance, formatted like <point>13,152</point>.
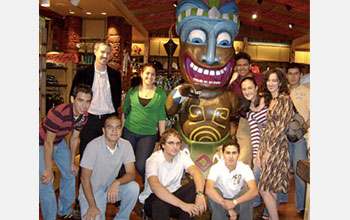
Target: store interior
<point>273,32</point>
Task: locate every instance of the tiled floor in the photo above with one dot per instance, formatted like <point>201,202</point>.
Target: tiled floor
<point>287,211</point>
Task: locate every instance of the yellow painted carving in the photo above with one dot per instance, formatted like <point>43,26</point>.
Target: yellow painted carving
<point>211,139</point>
<point>203,127</point>
<point>222,115</point>
<point>196,115</point>
<point>206,132</point>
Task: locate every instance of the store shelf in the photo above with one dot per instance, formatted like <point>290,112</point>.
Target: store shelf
<point>56,67</point>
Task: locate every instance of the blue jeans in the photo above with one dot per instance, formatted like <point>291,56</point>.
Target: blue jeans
<point>298,151</point>
<point>61,156</point>
<point>281,197</point>
<point>128,194</point>
<point>143,146</point>
<point>245,209</point>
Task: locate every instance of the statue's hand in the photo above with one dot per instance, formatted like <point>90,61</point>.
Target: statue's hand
<point>189,90</point>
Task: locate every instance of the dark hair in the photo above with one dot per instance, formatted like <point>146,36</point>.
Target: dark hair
<point>167,133</point>
<point>81,88</point>
<point>111,117</point>
<point>294,65</point>
<point>242,55</point>
<point>282,89</point>
<point>148,65</point>
<point>245,103</point>
<point>230,142</point>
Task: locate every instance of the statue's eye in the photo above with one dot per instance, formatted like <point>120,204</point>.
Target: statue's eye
<point>224,40</point>
<point>197,37</point>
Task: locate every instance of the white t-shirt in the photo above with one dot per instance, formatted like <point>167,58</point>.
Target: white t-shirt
<point>230,183</point>
<point>169,174</point>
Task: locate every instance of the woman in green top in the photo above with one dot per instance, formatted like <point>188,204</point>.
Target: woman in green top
<point>146,113</point>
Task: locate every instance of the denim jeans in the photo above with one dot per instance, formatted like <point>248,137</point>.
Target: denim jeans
<point>61,156</point>
<point>281,197</point>
<point>245,209</point>
<point>128,194</point>
<point>143,146</point>
<point>298,151</point>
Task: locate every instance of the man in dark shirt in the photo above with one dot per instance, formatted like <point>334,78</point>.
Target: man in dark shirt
<point>105,83</point>
<point>58,122</point>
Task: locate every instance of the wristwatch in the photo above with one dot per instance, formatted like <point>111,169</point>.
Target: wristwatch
<point>199,192</point>
<point>235,202</point>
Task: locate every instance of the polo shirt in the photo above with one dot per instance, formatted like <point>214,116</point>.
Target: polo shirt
<point>60,120</point>
<point>169,174</point>
<point>105,166</point>
<point>230,183</point>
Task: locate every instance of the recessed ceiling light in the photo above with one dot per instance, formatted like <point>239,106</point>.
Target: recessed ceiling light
<point>88,13</point>
<point>45,3</point>
<point>103,13</point>
<point>291,25</point>
<point>254,16</point>
<point>71,12</point>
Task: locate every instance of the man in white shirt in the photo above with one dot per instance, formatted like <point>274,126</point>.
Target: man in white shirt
<point>101,164</point>
<point>163,196</point>
<point>228,195</point>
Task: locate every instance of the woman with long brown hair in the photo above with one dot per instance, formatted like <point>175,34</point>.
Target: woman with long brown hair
<point>273,155</point>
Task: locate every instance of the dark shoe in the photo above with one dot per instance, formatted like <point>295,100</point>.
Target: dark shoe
<point>117,204</point>
<point>75,214</point>
<point>301,214</point>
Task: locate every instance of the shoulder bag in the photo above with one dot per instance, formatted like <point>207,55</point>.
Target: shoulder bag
<point>297,127</point>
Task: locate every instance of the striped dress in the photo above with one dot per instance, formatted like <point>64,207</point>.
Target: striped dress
<point>275,175</point>
<point>255,119</point>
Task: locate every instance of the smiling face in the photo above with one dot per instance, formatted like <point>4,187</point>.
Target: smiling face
<point>243,67</point>
<point>112,130</point>
<point>81,103</point>
<point>148,75</point>
<point>273,84</point>
<point>207,52</point>
<point>249,90</point>
<point>102,53</point>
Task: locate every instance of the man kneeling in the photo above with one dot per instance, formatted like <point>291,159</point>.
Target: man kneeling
<point>101,163</point>
<point>164,196</point>
<point>225,188</point>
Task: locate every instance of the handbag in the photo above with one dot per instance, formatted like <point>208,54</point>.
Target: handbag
<point>128,109</point>
<point>297,127</point>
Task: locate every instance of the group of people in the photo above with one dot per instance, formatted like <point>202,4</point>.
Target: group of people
<point>112,148</point>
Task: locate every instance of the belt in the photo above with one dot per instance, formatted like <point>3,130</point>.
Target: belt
<point>100,116</point>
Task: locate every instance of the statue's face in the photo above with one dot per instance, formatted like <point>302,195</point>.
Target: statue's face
<point>207,52</point>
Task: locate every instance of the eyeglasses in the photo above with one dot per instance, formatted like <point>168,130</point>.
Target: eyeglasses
<point>172,143</point>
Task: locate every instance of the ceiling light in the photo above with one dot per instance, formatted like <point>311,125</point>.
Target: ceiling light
<point>254,16</point>
<point>88,13</point>
<point>45,3</point>
<point>175,4</point>
<point>71,12</point>
<point>291,25</point>
<point>103,13</point>
<point>288,7</point>
<point>259,2</point>
<point>75,2</point>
